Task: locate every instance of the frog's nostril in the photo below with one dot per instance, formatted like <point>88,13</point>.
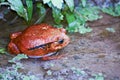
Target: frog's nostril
<point>61,41</point>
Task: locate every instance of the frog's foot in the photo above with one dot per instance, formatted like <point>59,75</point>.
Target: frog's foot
<point>14,35</point>
<point>13,48</point>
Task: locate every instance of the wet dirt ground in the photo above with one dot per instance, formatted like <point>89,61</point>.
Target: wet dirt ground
<point>94,52</point>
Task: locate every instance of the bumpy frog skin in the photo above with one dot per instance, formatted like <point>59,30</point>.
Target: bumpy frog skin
<point>38,40</point>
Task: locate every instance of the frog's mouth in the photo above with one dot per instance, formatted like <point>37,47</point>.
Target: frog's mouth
<point>44,46</point>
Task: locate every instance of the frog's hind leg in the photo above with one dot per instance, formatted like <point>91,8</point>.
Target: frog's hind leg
<point>13,48</point>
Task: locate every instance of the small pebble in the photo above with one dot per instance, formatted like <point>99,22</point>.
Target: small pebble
<point>76,57</point>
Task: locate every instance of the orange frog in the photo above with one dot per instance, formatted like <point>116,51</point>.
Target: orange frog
<point>38,41</point>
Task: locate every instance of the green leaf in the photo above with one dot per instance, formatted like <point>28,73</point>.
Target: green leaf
<point>18,58</point>
<point>99,77</point>
<point>1,75</point>
<point>41,12</point>
<point>82,29</point>
<point>57,3</point>
<point>87,13</point>
<point>114,11</point>
<point>17,6</point>
<point>46,1</point>
<point>117,10</point>
<point>70,4</point>
<point>2,0</point>
<point>2,51</point>
<point>75,25</point>
<point>83,3</point>
<point>72,23</point>
<point>57,15</point>
<point>29,9</point>
<point>70,17</point>
<point>41,8</point>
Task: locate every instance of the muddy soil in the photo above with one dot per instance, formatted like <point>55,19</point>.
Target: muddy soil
<point>94,52</point>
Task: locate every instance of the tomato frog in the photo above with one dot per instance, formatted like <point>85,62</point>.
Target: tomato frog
<point>38,41</point>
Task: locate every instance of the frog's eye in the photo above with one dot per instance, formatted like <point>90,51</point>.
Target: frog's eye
<point>61,41</point>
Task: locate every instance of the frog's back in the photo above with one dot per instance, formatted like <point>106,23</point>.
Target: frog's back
<point>37,35</point>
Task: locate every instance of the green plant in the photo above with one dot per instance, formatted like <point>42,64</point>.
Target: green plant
<point>3,51</point>
<point>41,12</point>
<point>2,0</point>
<point>12,72</point>
<point>98,77</point>
<point>23,11</point>
<point>18,58</point>
<point>114,11</point>
<point>76,17</point>
<point>77,20</point>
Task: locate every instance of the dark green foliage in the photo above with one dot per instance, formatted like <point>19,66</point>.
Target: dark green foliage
<point>2,0</point>
<point>76,17</point>
<point>23,11</point>
<point>114,11</point>
<point>3,51</point>
<point>62,10</point>
<point>41,12</point>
